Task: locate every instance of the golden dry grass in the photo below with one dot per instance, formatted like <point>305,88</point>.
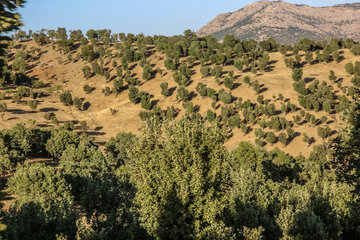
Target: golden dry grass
<point>104,125</point>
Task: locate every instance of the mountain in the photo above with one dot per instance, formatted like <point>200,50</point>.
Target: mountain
<point>287,23</point>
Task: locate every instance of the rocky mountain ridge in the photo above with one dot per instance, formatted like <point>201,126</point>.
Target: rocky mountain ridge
<point>286,22</point>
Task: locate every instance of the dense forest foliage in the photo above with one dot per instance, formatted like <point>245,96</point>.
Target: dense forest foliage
<point>176,180</point>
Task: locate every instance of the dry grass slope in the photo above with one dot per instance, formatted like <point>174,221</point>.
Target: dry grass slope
<point>53,68</point>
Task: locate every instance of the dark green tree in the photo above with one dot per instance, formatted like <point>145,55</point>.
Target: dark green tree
<point>9,21</point>
<point>78,102</point>
<point>147,72</point>
<point>164,89</point>
<point>349,67</point>
<point>117,148</point>
<point>87,88</point>
<point>86,71</point>
<point>297,74</point>
<point>134,94</point>
<point>182,94</point>
<point>59,140</point>
<point>332,76</point>
<point>145,100</point>
<point>309,57</point>
<point>117,85</point>
<point>43,207</point>
<point>270,138</point>
<point>205,71</point>
<point>201,89</point>
<point>66,98</point>
<point>229,82</point>
<point>283,139</point>
<point>179,198</point>
<point>225,97</point>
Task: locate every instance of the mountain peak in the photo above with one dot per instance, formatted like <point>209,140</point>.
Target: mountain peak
<point>286,22</point>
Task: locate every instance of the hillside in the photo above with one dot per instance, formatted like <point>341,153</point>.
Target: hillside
<point>119,136</point>
<point>108,115</point>
<point>136,137</point>
<point>287,23</point>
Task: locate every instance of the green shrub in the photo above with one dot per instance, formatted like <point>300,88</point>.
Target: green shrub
<point>66,98</point>
<point>164,89</point>
<point>87,89</point>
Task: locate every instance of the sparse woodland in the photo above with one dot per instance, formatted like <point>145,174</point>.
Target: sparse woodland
<point>233,140</point>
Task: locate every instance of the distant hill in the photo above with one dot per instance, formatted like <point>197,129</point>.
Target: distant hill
<point>287,23</point>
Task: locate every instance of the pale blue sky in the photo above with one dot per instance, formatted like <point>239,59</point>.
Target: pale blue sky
<point>151,17</point>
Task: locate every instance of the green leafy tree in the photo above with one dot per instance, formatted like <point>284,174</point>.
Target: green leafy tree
<point>61,34</point>
<point>78,102</point>
<point>349,67</point>
<point>66,98</point>
<point>180,78</point>
<point>117,85</point>
<point>164,89</point>
<point>3,107</point>
<point>86,71</point>
<point>88,53</point>
<point>32,104</point>
<point>169,64</point>
<point>201,89</point>
<point>87,88</point>
<point>20,35</point>
<point>9,21</point>
<point>147,72</point>
<point>244,128</point>
<point>59,140</point>
<point>332,76</point>
<point>259,142</point>
<point>309,57</point>
<point>211,93</point>
<point>235,121</point>
<point>256,86</point>
<point>145,100</point>
<point>355,50</point>
<point>210,115</point>
<point>229,82</point>
<point>216,71</point>
<point>129,55</point>
<point>327,106</point>
<point>283,139</point>
<point>182,94</point>
<point>346,149</point>
<point>225,97</point>
<point>117,148</point>
<point>106,75</point>
<point>205,71</point>
<point>106,197</point>
<point>238,64</point>
<point>297,74</point>
<point>324,132</point>
<point>134,94</point>
<point>336,56</point>
<point>43,207</point>
<point>179,198</point>
<point>247,79</point>
<point>270,138</point>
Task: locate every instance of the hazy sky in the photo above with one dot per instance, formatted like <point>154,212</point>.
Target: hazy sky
<point>160,17</point>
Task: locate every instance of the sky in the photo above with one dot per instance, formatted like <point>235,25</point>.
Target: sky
<point>151,17</point>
